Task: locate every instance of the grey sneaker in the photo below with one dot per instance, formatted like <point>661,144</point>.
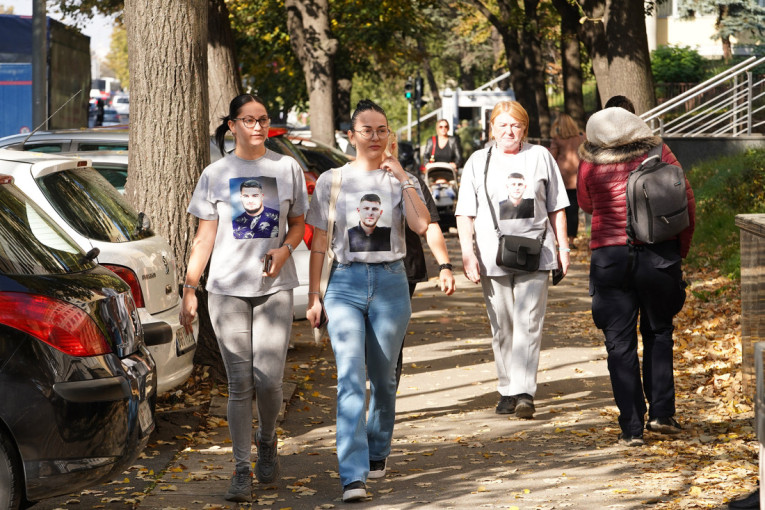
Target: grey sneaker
<point>628,440</point>
<point>241,487</point>
<point>267,466</point>
<point>524,406</point>
<point>506,405</point>
<point>354,491</point>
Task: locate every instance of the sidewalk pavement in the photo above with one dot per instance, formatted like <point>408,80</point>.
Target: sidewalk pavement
<point>450,449</point>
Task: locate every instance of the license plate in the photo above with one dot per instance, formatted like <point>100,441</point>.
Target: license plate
<point>145,418</point>
<point>184,341</point>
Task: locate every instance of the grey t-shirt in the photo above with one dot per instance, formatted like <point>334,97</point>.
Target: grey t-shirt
<point>251,199</point>
<point>369,218</point>
<point>524,188</point>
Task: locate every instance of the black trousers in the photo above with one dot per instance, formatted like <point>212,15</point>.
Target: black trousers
<point>642,283</point>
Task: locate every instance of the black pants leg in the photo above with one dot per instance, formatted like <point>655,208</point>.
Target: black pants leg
<point>400,363</point>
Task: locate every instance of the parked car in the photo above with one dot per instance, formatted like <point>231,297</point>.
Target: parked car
<point>91,211</point>
<point>78,383</point>
<point>121,103</point>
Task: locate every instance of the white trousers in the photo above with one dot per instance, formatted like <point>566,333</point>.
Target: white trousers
<point>516,307</point>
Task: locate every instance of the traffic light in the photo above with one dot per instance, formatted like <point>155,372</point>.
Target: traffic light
<point>418,100</point>
<point>409,90</point>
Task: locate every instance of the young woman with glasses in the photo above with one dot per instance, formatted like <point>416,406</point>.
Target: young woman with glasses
<point>251,207</point>
<point>443,148</point>
<point>367,298</point>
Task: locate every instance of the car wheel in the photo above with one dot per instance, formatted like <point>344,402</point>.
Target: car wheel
<point>11,478</point>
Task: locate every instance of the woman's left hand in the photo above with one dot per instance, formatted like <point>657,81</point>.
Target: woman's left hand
<point>564,261</point>
<point>394,168</point>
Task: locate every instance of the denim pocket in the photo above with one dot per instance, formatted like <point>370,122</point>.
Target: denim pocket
<point>396,267</point>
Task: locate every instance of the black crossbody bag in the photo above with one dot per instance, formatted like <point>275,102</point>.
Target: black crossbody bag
<point>517,253</point>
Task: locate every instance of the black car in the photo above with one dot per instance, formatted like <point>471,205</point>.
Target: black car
<point>78,384</point>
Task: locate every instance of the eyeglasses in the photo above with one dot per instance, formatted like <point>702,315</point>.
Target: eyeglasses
<point>367,133</point>
<point>249,122</point>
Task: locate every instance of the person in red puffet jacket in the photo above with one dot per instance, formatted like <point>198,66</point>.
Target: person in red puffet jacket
<point>628,282</point>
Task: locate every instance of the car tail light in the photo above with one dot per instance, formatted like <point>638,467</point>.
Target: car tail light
<point>131,279</point>
<point>308,236</point>
<point>57,323</point>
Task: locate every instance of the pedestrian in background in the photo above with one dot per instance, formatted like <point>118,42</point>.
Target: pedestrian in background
<point>443,148</point>
<point>515,301</point>
<point>414,261</point>
<point>626,282</point>
<point>366,297</point>
<point>567,136</point>
<point>250,279</point>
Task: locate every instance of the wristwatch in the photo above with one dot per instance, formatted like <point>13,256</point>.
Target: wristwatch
<point>289,247</point>
<point>407,182</point>
<point>445,266</point>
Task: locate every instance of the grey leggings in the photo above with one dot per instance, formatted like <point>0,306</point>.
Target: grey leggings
<point>253,336</point>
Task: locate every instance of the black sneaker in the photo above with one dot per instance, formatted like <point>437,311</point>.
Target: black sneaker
<point>354,491</point>
<point>666,425</point>
<point>628,440</point>
<point>267,466</point>
<point>240,489</point>
<point>506,405</point>
<point>524,407</point>
<point>377,468</point>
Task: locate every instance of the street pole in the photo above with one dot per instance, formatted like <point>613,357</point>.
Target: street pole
<point>39,64</point>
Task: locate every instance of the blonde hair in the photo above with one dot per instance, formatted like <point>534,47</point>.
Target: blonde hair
<point>515,110</point>
<point>564,127</point>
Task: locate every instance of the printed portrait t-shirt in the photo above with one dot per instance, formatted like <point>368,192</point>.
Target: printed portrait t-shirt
<point>251,200</point>
<point>524,189</point>
<point>369,217</point>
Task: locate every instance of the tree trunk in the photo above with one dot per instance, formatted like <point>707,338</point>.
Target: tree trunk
<point>343,104</point>
<point>432,85</point>
<point>593,33</point>
<point>312,42</point>
<point>169,138</point>
<point>571,61</point>
<point>223,80</point>
<point>536,68</point>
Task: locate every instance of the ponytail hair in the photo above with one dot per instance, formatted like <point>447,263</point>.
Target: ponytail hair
<point>233,112</point>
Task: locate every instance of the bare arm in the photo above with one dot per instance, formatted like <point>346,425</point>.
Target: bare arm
<point>558,222</point>
<point>417,215</point>
<point>315,266</point>
<point>465,229</point>
<point>437,244</point>
<point>201,249</point>
<point>280,255</point>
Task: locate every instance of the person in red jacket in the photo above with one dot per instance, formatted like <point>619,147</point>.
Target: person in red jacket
<point>628,282</point>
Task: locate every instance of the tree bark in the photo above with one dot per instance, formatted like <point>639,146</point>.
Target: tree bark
<point>429,76</point>
<point>571,61</point>
<point>223,80</point>
<point>169,137</point>
<point>532,45</point>
<point>312,42</point>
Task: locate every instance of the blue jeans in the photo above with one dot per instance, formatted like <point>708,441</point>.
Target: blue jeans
<point>368,309</point>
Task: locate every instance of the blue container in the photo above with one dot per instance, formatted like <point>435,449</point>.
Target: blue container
<point>15,98</point>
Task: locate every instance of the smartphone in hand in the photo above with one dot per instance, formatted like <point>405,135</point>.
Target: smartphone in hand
<point>557,276</point>
<point>323,319</point>
<point>267,263</point>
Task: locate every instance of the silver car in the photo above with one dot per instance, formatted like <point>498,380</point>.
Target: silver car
<point>104,224</point>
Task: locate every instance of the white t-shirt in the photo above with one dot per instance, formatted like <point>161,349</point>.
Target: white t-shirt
<point>524,188</point>
<point>369,217</point>
<point>251,199</point>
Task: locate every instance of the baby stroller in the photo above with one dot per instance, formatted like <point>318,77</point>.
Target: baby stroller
<point>442,181</point>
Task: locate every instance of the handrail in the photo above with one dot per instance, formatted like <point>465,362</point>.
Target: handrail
<point>711,82</point>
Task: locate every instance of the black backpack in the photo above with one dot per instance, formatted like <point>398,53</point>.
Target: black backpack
<point>657,204</point>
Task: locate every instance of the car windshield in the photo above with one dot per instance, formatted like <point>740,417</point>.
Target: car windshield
<point>86,200</point>
<point>30,243</point>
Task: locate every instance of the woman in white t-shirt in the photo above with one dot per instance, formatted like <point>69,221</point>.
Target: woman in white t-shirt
<point>251,207</point>
<point>367,299</point>
<point>529,199</point>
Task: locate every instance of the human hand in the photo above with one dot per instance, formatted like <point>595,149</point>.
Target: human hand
<point>471,267</point>
<point>188,311</point>
<point>278,257</point>
<point>446,280</point>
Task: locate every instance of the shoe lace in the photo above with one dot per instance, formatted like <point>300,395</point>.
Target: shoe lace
<point>267,450</point>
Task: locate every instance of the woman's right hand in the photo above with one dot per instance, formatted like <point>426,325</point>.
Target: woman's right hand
<point>471,267</point>
<point>188,309</point>
<point>313,311</point>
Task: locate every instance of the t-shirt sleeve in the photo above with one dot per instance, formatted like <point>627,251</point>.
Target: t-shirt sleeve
<point>299,204</point>
<point>467,201</point>
<point>201,204</point>
<point>557,198</point>
<point>317,211</point>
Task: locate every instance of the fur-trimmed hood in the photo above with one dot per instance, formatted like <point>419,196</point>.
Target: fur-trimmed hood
<point>615,135</point>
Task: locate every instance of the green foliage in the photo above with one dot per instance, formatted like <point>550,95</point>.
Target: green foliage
<point>724,188</point>
<point>117,58</point>
<point>677,64</point>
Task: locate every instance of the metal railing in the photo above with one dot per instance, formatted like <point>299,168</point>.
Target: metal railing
<point>729,104</point>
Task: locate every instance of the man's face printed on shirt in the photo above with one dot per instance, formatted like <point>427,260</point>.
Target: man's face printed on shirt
<point>369,213</point>
<point>252,200</point>
<point>515,188</point>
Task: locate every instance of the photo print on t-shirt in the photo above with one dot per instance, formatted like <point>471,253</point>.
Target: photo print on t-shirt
<point>514,206</point>
<point>369,213</point>
<point>254,207</point>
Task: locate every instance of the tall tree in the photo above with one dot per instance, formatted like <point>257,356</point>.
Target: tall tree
<point>315,47</point>
<point>733,18</point>
<point>224,83</point>
<point>614,31</point>
<point>571,59</point>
